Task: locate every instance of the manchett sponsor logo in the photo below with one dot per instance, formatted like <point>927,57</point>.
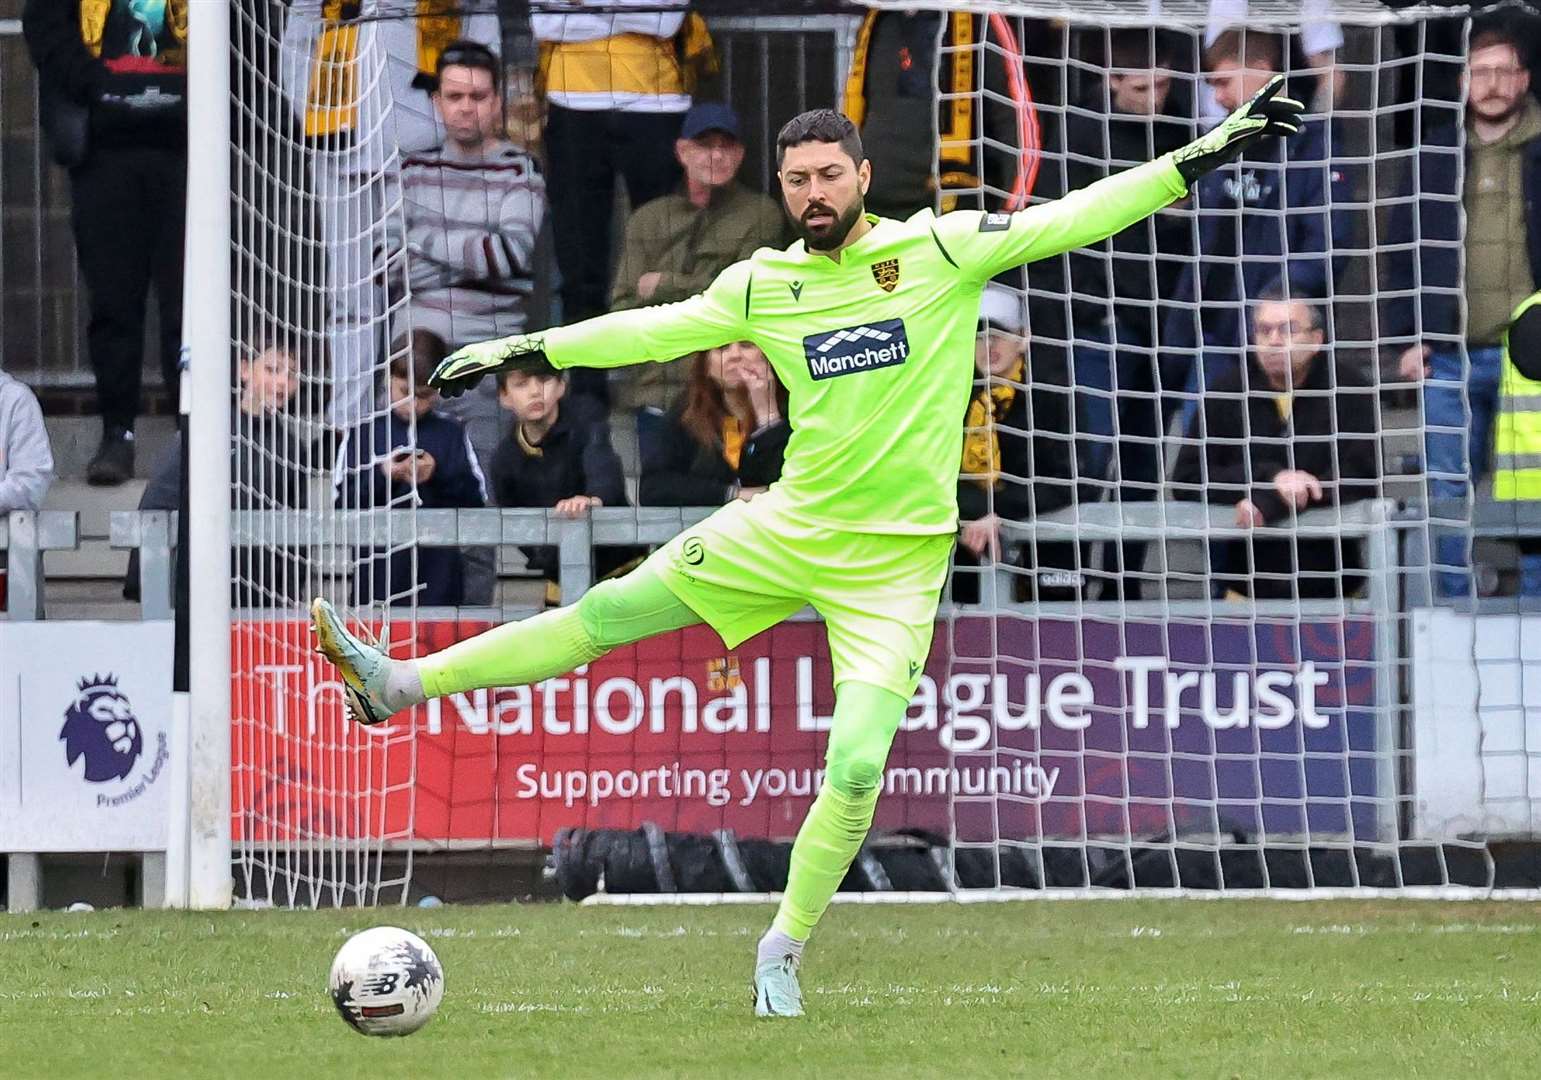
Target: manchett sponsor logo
<point>856,348</point>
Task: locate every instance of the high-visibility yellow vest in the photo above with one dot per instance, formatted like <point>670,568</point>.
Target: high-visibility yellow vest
<point>1517,434</point>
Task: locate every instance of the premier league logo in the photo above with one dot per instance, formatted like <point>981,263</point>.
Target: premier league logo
<point>100,726</point>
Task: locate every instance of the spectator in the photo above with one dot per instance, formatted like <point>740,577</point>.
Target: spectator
<point>726,435</point>
<point>1121,283</point>
<point>676,244</point>
<point>268,472</point>
<point>412,457</point>
<point>899,60</point>
<point>114,86</point>
<point>1320,38</point>
<point>472,210</point>
<point>1502,265</point>
<point>1517,442</point>
<point>557,457</point>
<point>1290,431</point>
<point>1276,214</point>
<point>26,461</point>
<point>358,81</point>
<point>617,85</point>
<point>1017,458</point>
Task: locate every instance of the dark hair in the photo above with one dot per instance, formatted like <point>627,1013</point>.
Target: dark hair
<point>1487,35</point>
<point>504,376</point>
<point>415,359</point>
<point>706,406</point>
<point>823,126</point>
<point>1133,49</point>
<point>1281,292</point>
<point>469,54</point>
<point>1254,49</point>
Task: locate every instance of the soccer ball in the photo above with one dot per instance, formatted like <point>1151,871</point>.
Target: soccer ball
<point>386,981</point>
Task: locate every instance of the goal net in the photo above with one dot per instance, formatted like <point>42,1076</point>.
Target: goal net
<point>1226,611</point>
<point>323,400</point>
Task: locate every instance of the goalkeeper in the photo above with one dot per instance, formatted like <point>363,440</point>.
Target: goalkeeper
<point>869,323</point>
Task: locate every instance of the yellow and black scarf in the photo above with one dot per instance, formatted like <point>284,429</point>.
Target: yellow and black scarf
<point>981,444</point>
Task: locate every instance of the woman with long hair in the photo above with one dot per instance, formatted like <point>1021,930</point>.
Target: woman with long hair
<point>725,436</point>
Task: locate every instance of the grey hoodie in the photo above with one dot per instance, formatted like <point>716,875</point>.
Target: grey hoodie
<point>26,462</point>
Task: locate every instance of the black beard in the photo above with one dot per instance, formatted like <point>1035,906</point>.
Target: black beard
<point>837,233</point>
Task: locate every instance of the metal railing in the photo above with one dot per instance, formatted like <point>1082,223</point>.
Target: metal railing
<point>28,535</point>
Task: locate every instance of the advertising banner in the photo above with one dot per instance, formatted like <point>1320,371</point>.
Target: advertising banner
<point>85,735</point>
<point>1020,729</point>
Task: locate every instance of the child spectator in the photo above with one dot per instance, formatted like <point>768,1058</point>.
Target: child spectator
<point>724,438</point>
<point>412,457</point>
<point>267,472</point>
<point>558,457</point>
<point>1017,457</point>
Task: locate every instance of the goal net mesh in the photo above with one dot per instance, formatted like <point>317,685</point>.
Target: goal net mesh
<point>1219,616</point>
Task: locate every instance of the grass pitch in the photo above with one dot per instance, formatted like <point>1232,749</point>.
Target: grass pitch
<point>1127,989</point>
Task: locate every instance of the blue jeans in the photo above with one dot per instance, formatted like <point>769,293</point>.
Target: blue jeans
<point>1118,407</point>
<point>1530,575</point>
<point>1463,403</point>
<point>1114,390</point>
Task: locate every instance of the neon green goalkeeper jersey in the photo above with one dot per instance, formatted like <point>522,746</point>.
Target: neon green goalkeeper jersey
<point>876,351</point>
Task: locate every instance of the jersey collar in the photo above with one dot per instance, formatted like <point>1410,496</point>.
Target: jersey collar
<point>854,252</point>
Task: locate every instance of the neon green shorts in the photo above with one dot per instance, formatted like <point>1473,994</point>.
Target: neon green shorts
<point>752,564</point>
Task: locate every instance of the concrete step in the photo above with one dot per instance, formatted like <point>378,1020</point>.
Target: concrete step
<point>75,438</point>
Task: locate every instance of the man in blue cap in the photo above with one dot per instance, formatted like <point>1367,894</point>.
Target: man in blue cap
<point>676,245</point>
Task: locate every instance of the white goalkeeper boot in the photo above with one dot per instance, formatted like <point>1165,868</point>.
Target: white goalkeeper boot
<point>365,670</point>
<point>776,992</point>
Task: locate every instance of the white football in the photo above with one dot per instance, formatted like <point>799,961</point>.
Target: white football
<point>386,981</point>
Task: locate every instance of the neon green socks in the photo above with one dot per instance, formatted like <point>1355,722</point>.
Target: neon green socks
<point>863,728</point>
<point>514,654</point>
<point>611,614</point>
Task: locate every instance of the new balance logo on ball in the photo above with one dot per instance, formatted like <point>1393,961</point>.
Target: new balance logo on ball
<point>856,348</point>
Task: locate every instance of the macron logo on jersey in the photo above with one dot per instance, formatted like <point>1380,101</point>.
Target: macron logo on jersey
<point>856,348</point>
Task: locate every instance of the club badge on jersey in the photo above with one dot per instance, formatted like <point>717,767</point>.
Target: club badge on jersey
<point>886,274</point>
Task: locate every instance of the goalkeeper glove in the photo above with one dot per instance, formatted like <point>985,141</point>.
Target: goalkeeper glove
<point>1269,113</point>
<point>463,369</point>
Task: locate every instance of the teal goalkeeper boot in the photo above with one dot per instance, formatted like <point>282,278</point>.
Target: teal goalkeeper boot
<point>362,667</point>
<point>776,992</point>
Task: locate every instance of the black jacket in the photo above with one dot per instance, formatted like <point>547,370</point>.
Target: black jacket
<point>134,94</point>
<point>678,470</point>
<point>359,484</point>
<point>1140,265</point>
<point>1246,444</point>
<point>268,466</point>
<point>1038,478</point>
<point>576,458</point>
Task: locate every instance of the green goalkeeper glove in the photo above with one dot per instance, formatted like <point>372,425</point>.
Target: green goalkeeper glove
<point>463,369</point>
<point>1269,113</point>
